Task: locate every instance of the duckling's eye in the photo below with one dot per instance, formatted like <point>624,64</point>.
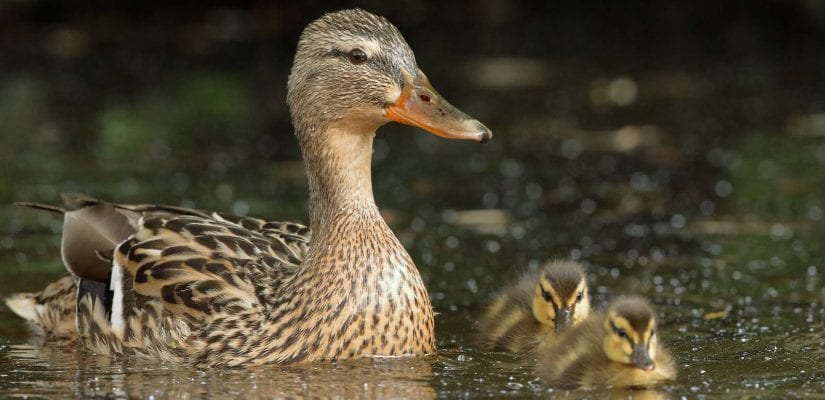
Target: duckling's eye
<point>621,332</point>
<point>357,56</point>
<point>579,297</point>
<point>545,294</point>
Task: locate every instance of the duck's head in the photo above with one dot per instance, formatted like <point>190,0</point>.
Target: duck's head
<point>630,333</point>
<point>354,69</point>
<point>561,295</point>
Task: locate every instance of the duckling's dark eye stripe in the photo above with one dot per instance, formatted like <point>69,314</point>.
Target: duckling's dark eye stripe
<point>616,329</point>
<point>548,297</point>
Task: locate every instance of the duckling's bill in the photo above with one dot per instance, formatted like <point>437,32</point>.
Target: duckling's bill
<point>641,357</point>
<point>421,106</point>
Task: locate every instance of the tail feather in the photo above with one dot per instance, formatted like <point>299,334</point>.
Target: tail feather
<point>52,310</point>
<point>91,228</point>
<point>41,206</point>
<point>24,305</point>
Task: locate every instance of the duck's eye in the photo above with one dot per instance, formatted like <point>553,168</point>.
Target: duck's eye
<point>546,295</point>
<point>579,297</point>
<point>621,332</point>
<point>357,56</point>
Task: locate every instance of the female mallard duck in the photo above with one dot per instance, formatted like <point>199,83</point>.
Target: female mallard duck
<point>535,307</point>
<point>204,288</point>
<point>618,348</point>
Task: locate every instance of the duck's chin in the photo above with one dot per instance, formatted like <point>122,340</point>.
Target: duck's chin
<point>364,121</point>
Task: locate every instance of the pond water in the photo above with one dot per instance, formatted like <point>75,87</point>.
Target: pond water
<point>696,182</point>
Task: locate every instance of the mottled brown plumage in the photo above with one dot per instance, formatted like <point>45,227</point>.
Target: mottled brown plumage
<point>618,348</point>
<point>192,286</point>
<point>50,311</point>
<point>528,313</point>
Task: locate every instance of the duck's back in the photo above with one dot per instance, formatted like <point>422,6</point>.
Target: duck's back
<point>178,275</point>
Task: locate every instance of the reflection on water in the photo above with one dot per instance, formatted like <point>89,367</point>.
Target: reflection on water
<point>48,371</point>
<point>684,166</point>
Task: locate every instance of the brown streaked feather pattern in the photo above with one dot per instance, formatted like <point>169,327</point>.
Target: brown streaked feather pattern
<point>220,302</point>
<point>366,299</point>
<point>150,331</point>
<point>185,272</point>
<point>52,310</point>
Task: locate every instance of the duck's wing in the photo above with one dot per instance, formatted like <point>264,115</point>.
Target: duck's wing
<point>92,229</point>
<point>203,266</point>
<point>165,261</point>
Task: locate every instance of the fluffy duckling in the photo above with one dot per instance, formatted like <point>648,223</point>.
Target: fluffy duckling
<point>616,348</point>
<point>535,307</point>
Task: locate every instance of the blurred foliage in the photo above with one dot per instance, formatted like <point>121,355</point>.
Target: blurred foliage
<point>779,176</point>
<point>204,113</point>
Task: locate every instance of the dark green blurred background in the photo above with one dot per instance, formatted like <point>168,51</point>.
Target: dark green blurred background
<point>616,123</point>
<point>150,101</point>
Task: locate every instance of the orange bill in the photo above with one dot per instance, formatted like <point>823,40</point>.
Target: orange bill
<point>421,106</point>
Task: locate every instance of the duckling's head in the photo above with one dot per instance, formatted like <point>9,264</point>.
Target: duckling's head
<point>630,333</point>
<point>561,295</point>
<point>355,69</point>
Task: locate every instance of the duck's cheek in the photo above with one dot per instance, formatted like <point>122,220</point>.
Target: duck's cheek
<point>618,350</point>
<point>392,94</point>
<point>582,311</point>
<point>652,350</point>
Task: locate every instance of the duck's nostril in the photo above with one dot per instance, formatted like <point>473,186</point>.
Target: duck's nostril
<point>424,98</point>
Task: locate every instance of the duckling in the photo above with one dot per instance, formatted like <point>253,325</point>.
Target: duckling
<point>532,310</point>
<point>187,286</point>
<point>618,348</point>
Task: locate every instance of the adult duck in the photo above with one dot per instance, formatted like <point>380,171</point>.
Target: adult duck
<point>185,285</point>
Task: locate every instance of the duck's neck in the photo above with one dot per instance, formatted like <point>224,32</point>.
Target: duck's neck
<point>338,164</point>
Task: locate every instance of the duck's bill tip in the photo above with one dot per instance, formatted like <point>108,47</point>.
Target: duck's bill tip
<point>641,358</point>
<point>480,133</point>
<point>485,134</point>
<point>440,125</point>
<point>421,106</point>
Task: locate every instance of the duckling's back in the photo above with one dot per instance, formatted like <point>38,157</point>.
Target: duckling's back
<point>508,323</point>
<point>566,361</point>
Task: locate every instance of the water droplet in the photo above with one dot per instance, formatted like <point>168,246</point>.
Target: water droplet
<point>622,91</point>
<point>677,221</point>
<point>571,148</point>
<point>707,207</point>
<point>588,206</point>
<point>815,213</point>
<point>723,188</point>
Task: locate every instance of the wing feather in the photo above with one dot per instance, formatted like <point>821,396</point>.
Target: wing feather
<point>202,267</point>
